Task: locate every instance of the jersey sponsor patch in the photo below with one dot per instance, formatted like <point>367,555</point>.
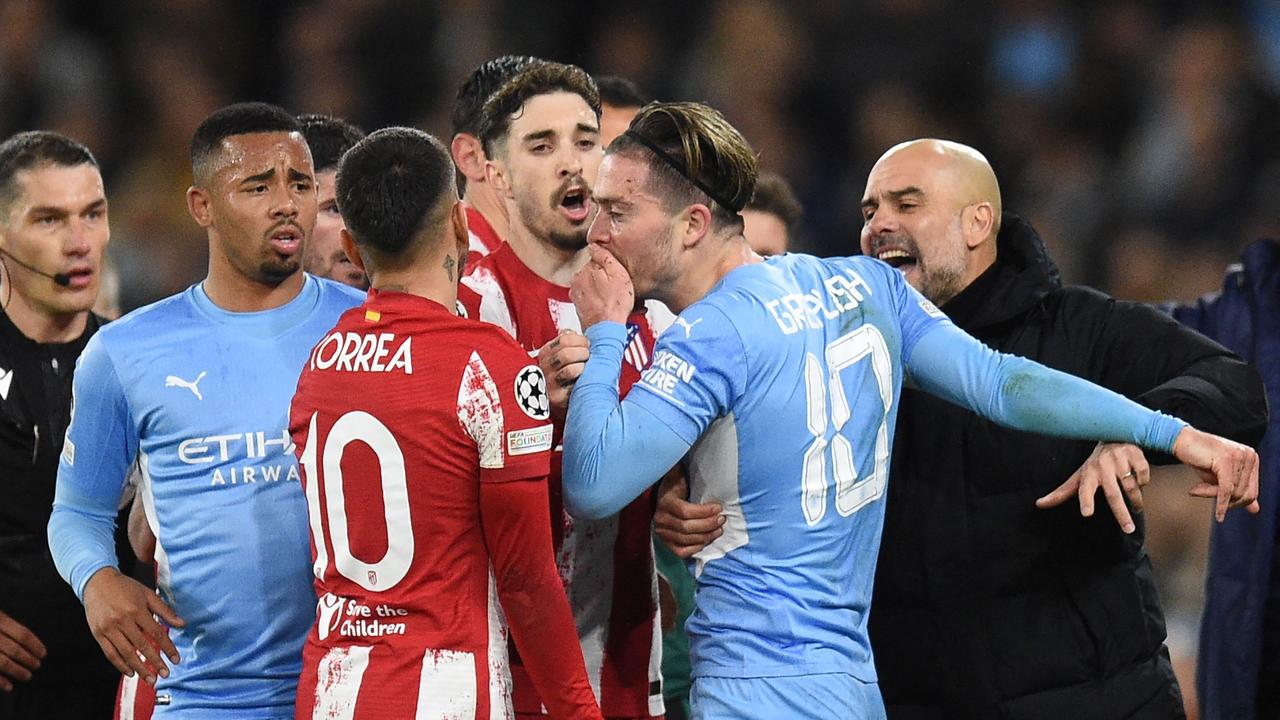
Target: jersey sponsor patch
<point>668,371</point>
<point>69,451</point>
<point>351,618</point>
<point>931,310</point>
<point>531,440</point>
<point>531,393</point>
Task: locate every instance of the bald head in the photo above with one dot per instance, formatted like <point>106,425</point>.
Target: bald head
<point>932,210</point>
<point>970,179</point>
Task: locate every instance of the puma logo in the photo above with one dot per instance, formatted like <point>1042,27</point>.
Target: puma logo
<point>688,326</point>
<point>193,385</point>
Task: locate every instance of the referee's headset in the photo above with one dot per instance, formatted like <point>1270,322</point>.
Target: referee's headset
<point>62,279</point>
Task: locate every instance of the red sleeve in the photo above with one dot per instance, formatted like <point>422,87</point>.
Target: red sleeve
<point>503,405</point>
<point>516,528</point>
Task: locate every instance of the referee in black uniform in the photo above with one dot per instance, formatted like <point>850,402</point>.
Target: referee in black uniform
<point>53,231</point>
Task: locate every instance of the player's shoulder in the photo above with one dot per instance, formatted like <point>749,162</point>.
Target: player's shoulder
<point>489,351</point>
<point>150,321</point>
<point>337,295</point>
<point>869,268</point>
<point>487,339</point>
<point>719,317</point>
<point>483,279</point>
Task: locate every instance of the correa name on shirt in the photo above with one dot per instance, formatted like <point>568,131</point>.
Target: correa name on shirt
<point>363,352</point>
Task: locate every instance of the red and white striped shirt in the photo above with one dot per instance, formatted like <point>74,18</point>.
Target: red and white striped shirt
<point>607,565</point>
<point>484,239</point>
<point>135,699</point>
<point>424,440</point>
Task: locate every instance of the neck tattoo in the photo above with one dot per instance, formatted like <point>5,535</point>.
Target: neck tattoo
<point>449,262</point>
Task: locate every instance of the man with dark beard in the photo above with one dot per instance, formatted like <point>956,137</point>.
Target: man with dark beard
<point>487,220</point>
<point>541,134</point>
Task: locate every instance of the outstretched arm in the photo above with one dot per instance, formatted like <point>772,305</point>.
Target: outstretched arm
<point>1164,365</point>
<point>1018,393</point>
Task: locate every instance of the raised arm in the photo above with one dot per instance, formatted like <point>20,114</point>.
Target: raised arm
<point>613,450</point>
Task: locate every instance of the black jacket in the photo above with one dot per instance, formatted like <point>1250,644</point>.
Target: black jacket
<point>35,409</point>
<point>986,607</point>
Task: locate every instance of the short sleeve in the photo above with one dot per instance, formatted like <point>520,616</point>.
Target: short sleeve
<point>697,372</point>
<point>504,407</point>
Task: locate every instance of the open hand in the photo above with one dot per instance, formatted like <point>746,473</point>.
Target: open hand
<point>120,614</point>
<point>20,652</point>
<point>1120,470</point>
<point>1228,470</point>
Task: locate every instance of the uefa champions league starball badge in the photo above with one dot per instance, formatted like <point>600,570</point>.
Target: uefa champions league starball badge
<point>531,393</point>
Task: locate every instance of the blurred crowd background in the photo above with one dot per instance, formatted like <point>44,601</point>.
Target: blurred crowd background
<point>1141,137</point>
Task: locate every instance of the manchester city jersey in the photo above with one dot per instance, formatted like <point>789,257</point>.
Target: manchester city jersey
<point>786,379</point>
<point>200,397</point>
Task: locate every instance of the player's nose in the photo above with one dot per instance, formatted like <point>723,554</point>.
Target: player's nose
<point>598,231</point>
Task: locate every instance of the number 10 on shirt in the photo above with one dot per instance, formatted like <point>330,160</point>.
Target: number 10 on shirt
<point>829,409</point>
<point>359,426</point>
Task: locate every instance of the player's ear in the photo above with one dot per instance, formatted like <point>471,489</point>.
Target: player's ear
<point>468,155</point>
<point>198,206</point>
<point>495,172</point>
<point>349,247</point>
<point>978,223</point>
<point>461,231</point>
<point>697,224</point>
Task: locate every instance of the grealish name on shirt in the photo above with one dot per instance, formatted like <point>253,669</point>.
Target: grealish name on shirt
<point>358,352</point>
<point>806,311</point>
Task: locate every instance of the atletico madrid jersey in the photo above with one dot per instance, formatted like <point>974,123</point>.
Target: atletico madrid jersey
<point>402,412</point>
<point>607,565</point>
<point>483,238</point>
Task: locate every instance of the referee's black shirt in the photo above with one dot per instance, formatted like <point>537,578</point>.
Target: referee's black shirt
<point>35,409</point>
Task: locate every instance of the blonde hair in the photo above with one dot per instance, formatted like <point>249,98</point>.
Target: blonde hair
<point>699,153</point>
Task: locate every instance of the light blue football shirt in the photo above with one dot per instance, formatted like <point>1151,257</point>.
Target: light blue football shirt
<point>799,363</point>
<point>200,397</point>
<point>782,384</point>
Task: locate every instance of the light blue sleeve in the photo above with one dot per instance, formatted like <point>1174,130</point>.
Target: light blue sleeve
<point>1025,395</point>
<point>917,316</point>
<point>101,445</point>
<point>613,450</point>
